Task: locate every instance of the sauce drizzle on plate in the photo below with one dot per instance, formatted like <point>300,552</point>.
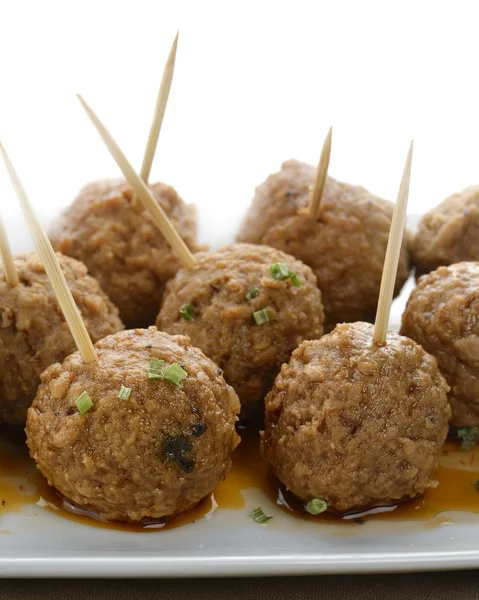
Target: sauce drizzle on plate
<point>21,484</point>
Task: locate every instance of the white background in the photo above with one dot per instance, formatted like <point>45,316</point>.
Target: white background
<point>255,83</point>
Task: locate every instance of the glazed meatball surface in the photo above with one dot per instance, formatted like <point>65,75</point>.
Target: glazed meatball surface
<point>154,455</point>
<point>449,233</point>
<point>34,333</point>
<point>345,246</point>
<point>122,246</point>
<point>442,315</point>
<point>223,323</point>
<point>356,424</point>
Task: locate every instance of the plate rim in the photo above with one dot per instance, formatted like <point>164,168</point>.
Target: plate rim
<point>237,566</point>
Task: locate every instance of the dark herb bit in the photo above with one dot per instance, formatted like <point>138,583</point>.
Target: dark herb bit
<point>219,372</point>
<point>186,464</point>
<point>156,368</point>
<point>281,272</point>
<point>261,316</point>
<point>187,312</point>
<point>468,437</point>
<point>359,521</point>
<point>316,506</point>
<point>174,373</point>
<point>124,393</point>
<point>3,502</point>
<point>148,346</point>
<point>258,515</point>
<point>252,294</point>
<point>198,429</point>
<point>291,193</point>
<point>476,485</point>
<point>84,403</point>
<point>175,450</point>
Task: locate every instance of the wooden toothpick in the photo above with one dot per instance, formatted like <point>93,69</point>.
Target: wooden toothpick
<point>142,191</point>
<point>52,268</point>
<point>160,108</point>
<point>11,274</point>
<point>393,252</point>
<point>316,198</point>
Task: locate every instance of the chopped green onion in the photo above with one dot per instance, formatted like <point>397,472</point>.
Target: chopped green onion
<point>261,316</point>
<point>174,373</point>
<point>258,515</point>
<point>186,311</point>
<point>316,506</point>
<point>295,280</point>
<point>124,393</point>
<point>279,271</point>
<point>83,403</point>
<point>468,437</point>
<point>252,294</point>
<point>156,368</point>
<point>282,272</point>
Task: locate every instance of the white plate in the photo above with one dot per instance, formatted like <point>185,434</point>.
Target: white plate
<point>38,543</point>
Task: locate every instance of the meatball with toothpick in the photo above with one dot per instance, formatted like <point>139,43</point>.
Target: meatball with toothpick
<point>345,244</point>
<point>355,423</point>
<point>33,331</point>
<point>144,432</point>
<point>122,246</point>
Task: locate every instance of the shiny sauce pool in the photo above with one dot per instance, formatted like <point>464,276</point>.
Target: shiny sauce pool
<point>21,484</point>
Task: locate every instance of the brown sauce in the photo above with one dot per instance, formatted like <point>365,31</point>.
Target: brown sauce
<point>21,484</point>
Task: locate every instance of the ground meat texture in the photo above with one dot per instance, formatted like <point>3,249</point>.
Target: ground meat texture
<point>442,315</point>
<point>154,455</point>
<point>345,246</point>
<point>356,424</point>
<point>224,326</point>
<point>122,246</point>
<point>33,331</point>
<point>449,233</point>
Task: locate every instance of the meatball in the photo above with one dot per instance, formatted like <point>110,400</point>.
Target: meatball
<point>442,315</point>
<point>345,246</point>
<point>356,424</point>
<point>449,233</point>
<point>242,317</point>
<point>33,331</point>
<point>122,246</point>
<point>153,455</point>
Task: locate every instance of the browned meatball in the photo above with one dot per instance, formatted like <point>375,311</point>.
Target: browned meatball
<point>122,246</point>
<point>223,321</point>
<point>449,233</point>
<point>33,331</point>
<point>345,246</point>
<point>356,424</point>
<point>442,315</point>
<point>154,455</point>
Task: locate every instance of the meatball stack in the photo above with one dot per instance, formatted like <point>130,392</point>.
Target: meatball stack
<point>345,247</point>
<point>33,332</point>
